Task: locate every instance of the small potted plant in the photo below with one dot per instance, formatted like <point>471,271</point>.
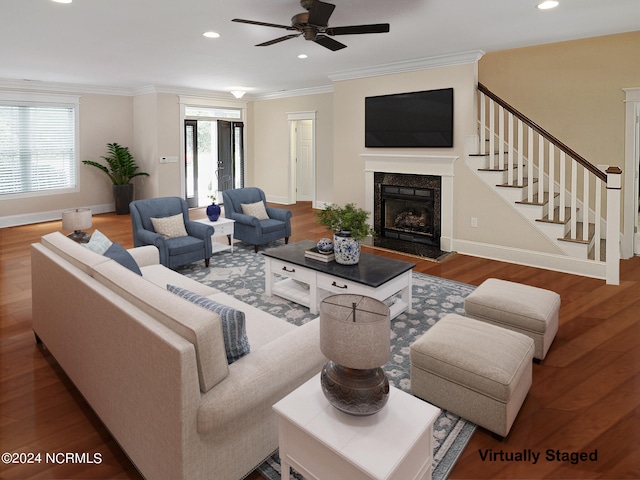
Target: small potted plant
<point>121,168</point>
<point>350,227</point>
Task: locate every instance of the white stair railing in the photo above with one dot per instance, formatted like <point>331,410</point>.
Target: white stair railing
<point>574,189</point>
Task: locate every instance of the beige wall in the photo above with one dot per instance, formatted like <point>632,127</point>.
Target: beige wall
<point>102,119</point>
<point>572,89</point>
<point>268,145</point>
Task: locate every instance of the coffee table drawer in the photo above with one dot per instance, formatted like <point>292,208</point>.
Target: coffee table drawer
<point>292,271</point>
<point>339,285</point>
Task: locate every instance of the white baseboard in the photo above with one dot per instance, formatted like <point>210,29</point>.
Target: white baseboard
<point>548,261</point>
<point>280,200</point>
<point>48,216</point>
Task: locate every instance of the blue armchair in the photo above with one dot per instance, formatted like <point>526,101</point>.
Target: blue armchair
<point>174,251</point>
<point>249,228</point>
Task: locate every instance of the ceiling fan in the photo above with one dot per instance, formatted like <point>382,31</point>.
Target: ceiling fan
<point>314,25</point>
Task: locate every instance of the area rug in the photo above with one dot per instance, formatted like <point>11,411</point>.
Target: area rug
<point>241,274</point>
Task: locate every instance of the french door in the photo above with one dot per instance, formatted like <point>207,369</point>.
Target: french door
<point>214,159</point>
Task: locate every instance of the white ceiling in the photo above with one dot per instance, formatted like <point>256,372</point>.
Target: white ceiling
<point>132,44</point>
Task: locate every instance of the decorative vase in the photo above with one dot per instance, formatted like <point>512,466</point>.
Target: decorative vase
<point>325,245</point>
<point>122,196</point>
<point>346,248</point>
<point>213,212</point>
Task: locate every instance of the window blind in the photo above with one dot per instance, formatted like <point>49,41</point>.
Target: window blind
<point>37,148</point>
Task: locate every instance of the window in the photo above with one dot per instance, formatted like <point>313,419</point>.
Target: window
<point>38,144</point>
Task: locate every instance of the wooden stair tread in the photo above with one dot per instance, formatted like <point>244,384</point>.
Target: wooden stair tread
<point>497,169</point>
<point>536,201</point>
<point>556,216</point>
<point>579,231</point>
<point>524,184</point>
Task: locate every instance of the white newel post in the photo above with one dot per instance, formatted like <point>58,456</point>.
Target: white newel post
<point>614,185</point>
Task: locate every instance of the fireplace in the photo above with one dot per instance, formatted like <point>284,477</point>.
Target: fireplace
<point>414,171</point>
<point>407,212</point>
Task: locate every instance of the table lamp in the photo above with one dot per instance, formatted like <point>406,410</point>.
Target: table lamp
<point>355,335</point>
<point>76,219</point>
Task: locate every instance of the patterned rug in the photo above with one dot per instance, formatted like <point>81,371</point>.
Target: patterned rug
<point>241,274</point>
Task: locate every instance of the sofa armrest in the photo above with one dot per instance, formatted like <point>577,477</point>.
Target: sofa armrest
<point>145,256</point>
<point>262,378</point>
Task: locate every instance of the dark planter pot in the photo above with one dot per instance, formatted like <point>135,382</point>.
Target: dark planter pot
<point>123,196</point>
<point>213,212</point>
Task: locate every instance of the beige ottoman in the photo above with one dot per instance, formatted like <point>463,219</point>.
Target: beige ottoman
<point>473,369</point>
<point>522,308</point>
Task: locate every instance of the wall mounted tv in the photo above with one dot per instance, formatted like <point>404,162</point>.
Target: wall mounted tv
<point>415,119</point>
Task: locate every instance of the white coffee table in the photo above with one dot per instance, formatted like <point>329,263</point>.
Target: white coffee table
<point>221,228</point>
<point>321,442</point>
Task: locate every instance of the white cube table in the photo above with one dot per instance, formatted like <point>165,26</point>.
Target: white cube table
<point>221,228</point>
<point>322,442</point>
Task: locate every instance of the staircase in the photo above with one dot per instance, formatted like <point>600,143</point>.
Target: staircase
<point>573,203</point>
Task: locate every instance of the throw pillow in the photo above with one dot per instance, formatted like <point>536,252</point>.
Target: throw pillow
<point>170,227</point>
<point>255,210</point>
<point>124,258</point>
<point>98,242</point>
<point>236,342</point>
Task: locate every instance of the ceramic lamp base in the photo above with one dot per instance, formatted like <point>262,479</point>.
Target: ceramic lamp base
<point>352,391</point>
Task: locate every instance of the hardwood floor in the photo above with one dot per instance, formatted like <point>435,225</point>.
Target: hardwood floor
<point>585,396</point>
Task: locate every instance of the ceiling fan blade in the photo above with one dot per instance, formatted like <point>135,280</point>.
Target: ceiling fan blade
<point>278,40</point>
<point>329,43</point>
<point>320,12</point>
<point>358,29</point>
<point>264,24</point>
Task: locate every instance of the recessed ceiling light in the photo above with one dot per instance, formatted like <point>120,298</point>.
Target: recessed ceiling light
<point>303,55</point>
<point>63,1</point>
<point>211,34</point>
<point>547,5</point>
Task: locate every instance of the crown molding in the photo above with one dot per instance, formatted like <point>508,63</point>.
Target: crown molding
<point>408,66</point>
<point>38,86</point>
<point>294,93</point>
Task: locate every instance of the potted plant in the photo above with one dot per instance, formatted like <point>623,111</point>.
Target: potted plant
<point>350,227</point>
<point>121,168</point>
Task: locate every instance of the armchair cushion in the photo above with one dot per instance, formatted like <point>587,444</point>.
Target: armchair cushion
<point>256,209</point>
<point>234,330</point>
<point>170,227</point>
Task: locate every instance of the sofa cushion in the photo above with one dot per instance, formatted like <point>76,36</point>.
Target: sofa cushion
<point>170,227</point>
<point>199,326</point>
<point>98,242</point>
<point>119,254</point>
<point>256,209</point>
<point>233,322</point>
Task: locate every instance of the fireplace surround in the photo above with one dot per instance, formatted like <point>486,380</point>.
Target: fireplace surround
<point>418,176</point>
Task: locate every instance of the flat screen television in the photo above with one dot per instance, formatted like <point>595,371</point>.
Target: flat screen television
<point>414,119</point>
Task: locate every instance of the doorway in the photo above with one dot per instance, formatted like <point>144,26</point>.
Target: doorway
<point>630,244</point>
<point>302,157</point>
<point>214,159</point>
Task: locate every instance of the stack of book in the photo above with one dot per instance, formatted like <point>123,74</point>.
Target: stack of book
<point>315,254</point>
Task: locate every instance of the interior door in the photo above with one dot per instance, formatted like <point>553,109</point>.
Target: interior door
<point>225,156</point>
<point>304,161</point>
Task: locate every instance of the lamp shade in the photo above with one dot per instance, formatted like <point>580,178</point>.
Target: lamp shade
<point>355,331</point>
<point>76,219</point>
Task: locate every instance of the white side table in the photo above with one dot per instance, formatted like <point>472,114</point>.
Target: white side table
<point>321,442</point>
<point>222,227</point>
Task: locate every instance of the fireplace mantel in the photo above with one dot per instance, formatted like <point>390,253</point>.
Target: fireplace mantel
<point>437,165</point>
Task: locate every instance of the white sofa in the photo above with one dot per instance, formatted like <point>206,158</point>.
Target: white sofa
<point>153,367</point>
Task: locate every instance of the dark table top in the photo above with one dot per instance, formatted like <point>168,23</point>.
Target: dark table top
<point>371,270</point>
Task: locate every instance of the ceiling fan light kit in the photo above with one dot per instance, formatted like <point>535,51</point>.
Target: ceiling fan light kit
<point>314,26</point>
